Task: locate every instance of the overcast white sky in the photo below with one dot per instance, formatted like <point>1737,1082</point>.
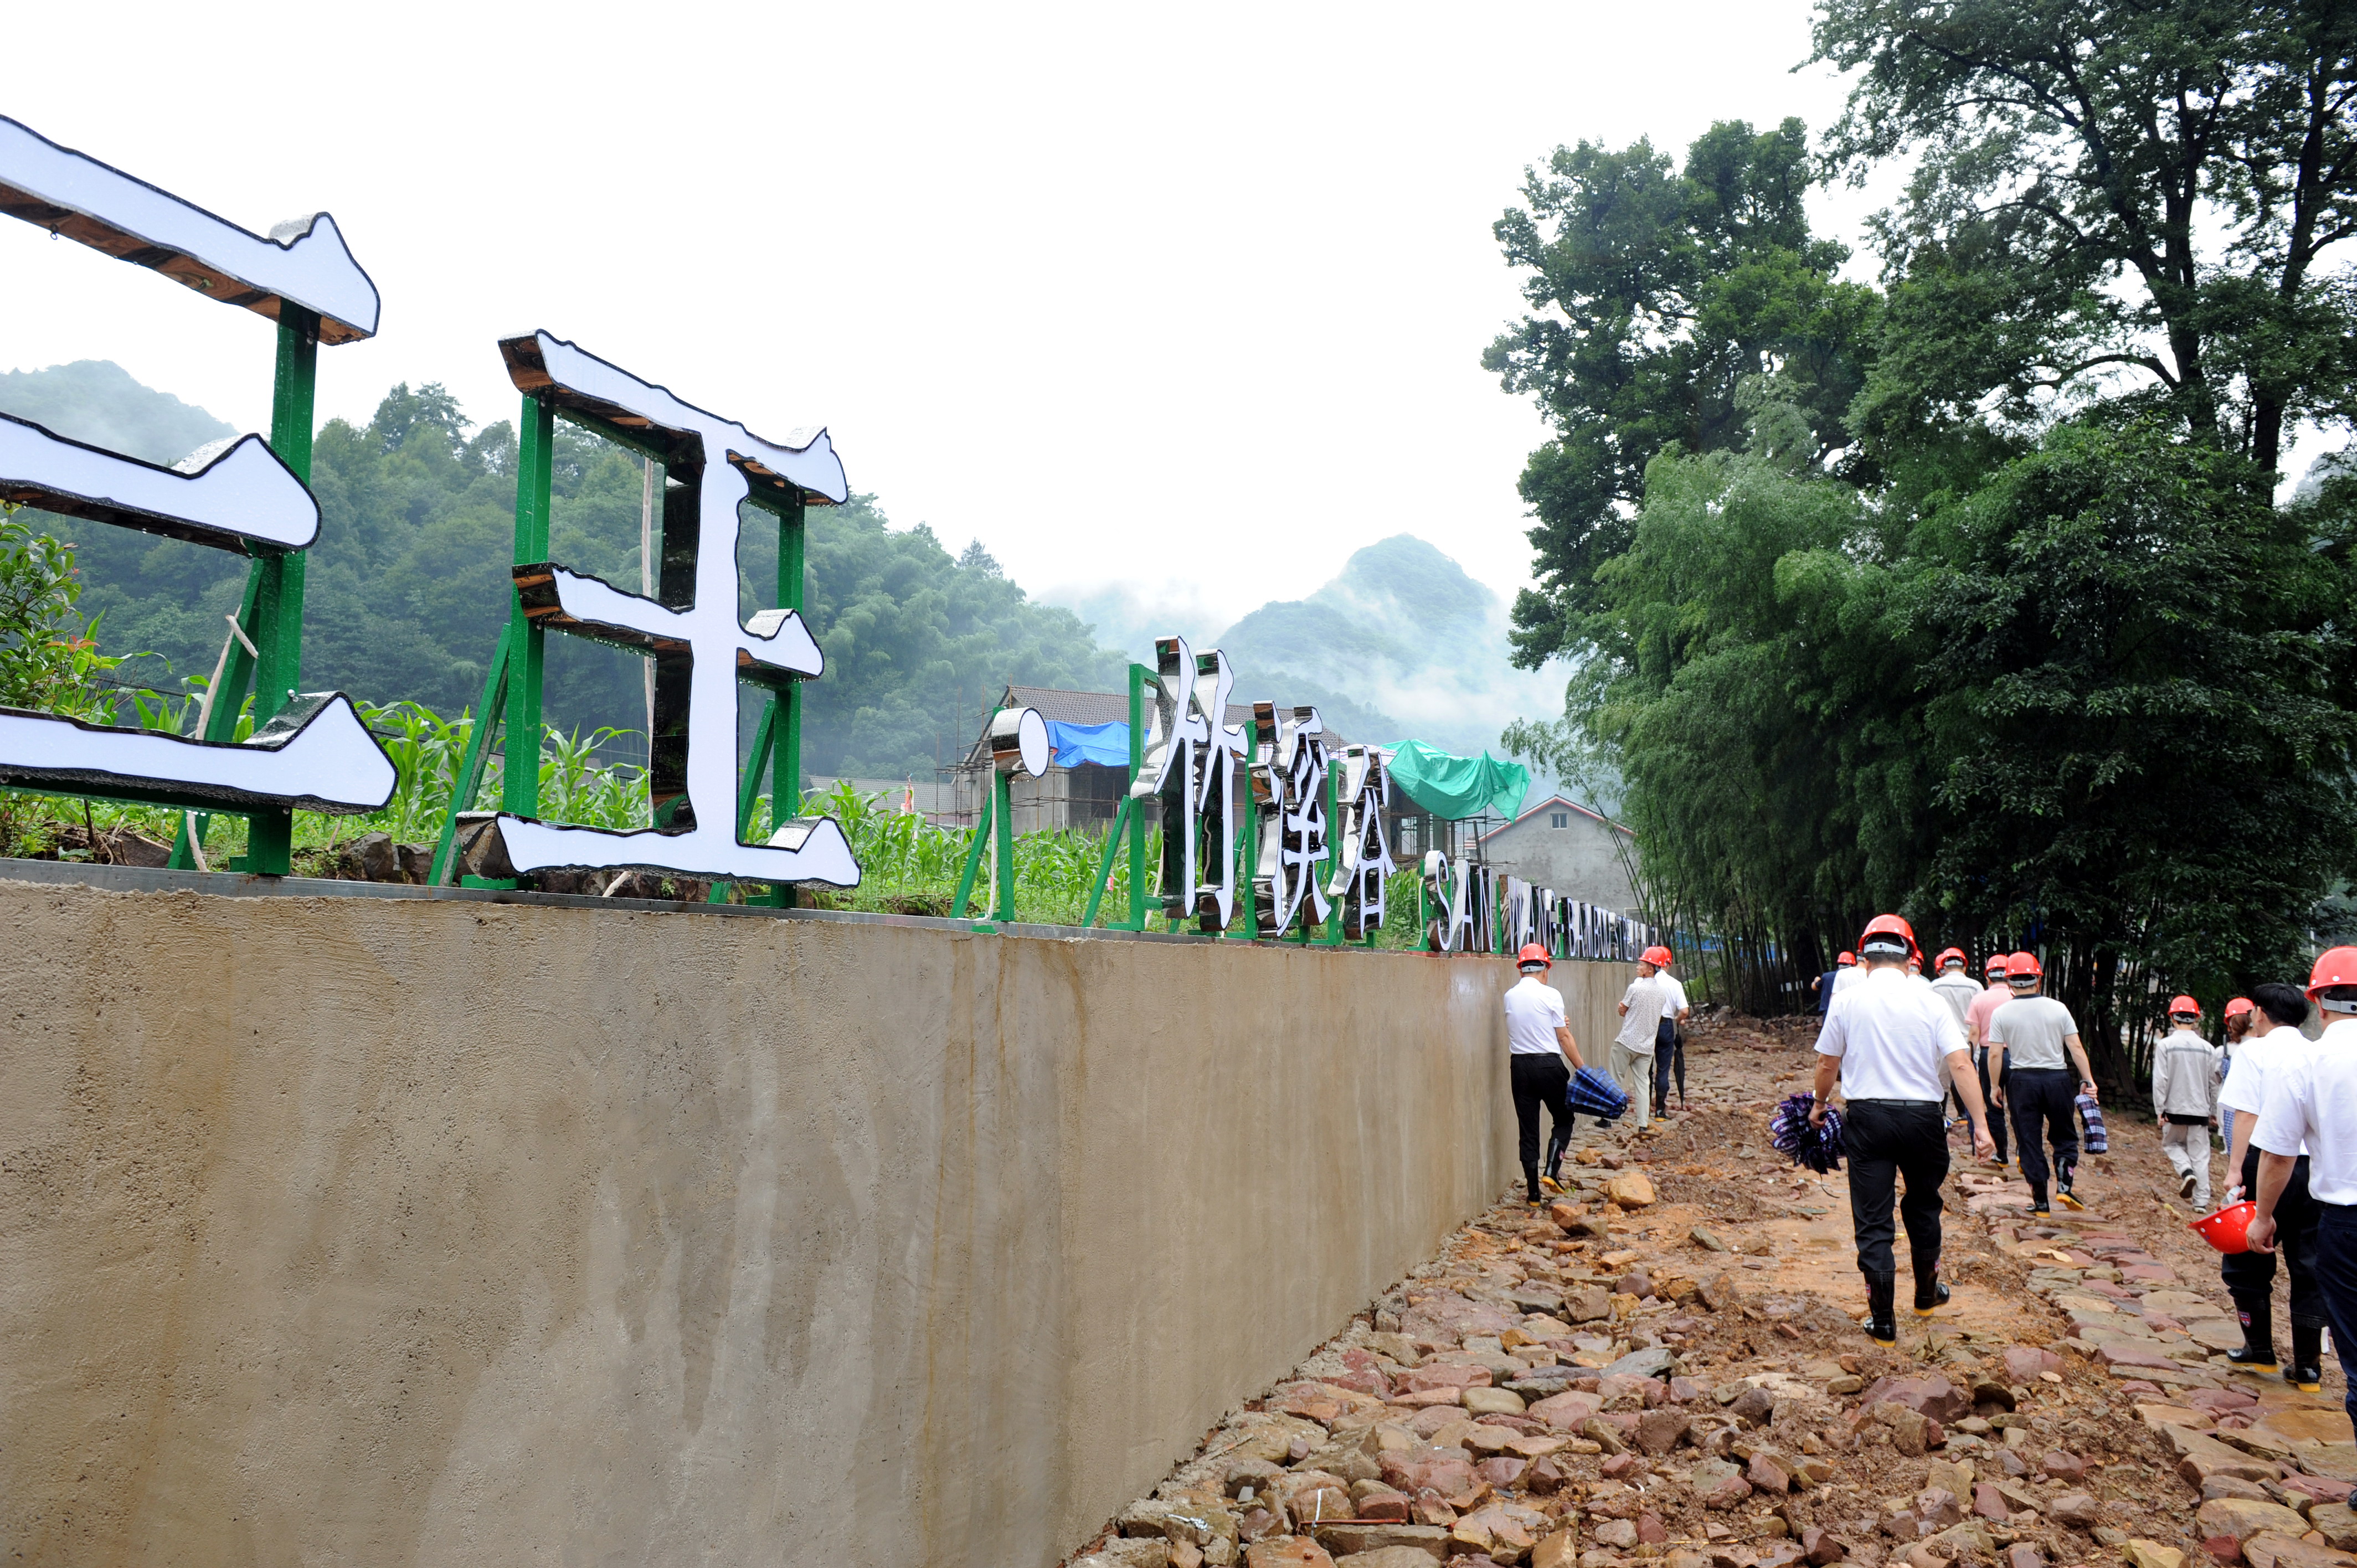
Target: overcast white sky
<point>1186,296</point>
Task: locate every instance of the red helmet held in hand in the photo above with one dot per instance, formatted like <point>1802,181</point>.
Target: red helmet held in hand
<point>1533,958</point>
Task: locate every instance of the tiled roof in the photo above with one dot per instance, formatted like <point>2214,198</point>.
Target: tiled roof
<point>1099,708</point>
<point>1557,803</point>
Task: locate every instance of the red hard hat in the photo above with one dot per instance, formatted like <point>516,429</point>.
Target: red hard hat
<point>1533,953</point>
<point>1659,956</point>
<point>2238,1006</point>
<point>2023,963</point>
<point>2334,966</point>
<point>2184,1004</point>
<point>1995,968</point>
<point>1886,927</point>
<point>1846,959</point>
<point>1947,953</point>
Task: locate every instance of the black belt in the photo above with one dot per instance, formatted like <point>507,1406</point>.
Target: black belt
<point>1853,1099</point>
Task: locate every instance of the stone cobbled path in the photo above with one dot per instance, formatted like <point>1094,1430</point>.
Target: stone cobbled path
<point>1665,1367</point>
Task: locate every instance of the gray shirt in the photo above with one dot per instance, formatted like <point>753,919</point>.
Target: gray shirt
<point>1958,992</point>
<point>2030,1028</point>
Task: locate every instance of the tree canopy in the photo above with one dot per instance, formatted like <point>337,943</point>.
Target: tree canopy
<point>1964,594</point>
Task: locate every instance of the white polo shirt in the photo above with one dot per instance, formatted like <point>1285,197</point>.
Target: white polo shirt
<point>1848,975</point>
<point>2260,1063</point>
<point>1892,1037</point>
<point>2312,1105</point>
<point>1674,998</point>
<point>1534,1010</point>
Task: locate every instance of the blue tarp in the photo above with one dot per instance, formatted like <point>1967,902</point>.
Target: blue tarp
<point>1107,745</point>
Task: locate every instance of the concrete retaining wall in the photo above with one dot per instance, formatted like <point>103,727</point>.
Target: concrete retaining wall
<point>357,1230</point>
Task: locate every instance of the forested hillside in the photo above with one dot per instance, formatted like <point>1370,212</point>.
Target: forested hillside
<point>408,586</point>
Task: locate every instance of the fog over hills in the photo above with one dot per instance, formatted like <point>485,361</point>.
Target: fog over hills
<point>1401,644</point>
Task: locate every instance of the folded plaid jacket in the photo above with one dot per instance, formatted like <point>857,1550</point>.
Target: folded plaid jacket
<point>1593,1094</point>
<point>2091,1117</point>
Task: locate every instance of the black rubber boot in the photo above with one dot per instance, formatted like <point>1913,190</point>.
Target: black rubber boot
<point>2038,1204</point>
<point>2306,1372</point>
<point>2259,1351</point>
<point>2062,1192</point>
<point>1531,1181</point>
<point>1930,1290</point>
<point>1554,1158</point>
<point>1881,1321</point>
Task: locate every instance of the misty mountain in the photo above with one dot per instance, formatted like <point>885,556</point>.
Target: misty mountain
<point>1402,644</point>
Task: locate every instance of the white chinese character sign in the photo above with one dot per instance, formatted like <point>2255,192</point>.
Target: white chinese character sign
<point>248,497</point>
<point>1192,757</point>
<point>691,632</point>
<point>1365,862</point>
<point>1289,784</point>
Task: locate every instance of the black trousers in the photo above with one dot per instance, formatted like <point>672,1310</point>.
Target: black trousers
<point>2336,1271</point>
<point>1538,1080</point>
<point>1669,1050</point>
<point>2047,1097</point>
<point>2250,1277</point>
<point>1885,1140</point>
<point>1996,1123</point>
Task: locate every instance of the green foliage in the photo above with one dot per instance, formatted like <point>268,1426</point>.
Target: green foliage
<point>2150,190</point>
<point>1655,293</point>
<point>48,651</point>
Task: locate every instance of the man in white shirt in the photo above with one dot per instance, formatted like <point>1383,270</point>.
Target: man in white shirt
<point>2312,1102</point>
<point>2185,1100</point>
<point>1669,1041</point>
<point>1541,1056</point>
<point>2268,1054</point>
<point>1884,1040</point>
<point>1643,1005</point>
<point>2238,1024</point>
<point>1994,995</point>
<point>1846,973</point>
<point>2030,1035</point>
<point>1958,990</point>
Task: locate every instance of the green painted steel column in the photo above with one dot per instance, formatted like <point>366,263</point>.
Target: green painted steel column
<point>786,774</point>
<point>1138,675</point>
<point>277,631</point>
<point>527,643</point>
<point>1247,852</point>
<point>1002,806</point>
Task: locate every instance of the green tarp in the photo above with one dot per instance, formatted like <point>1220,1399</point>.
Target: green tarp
<point>1458,787</point>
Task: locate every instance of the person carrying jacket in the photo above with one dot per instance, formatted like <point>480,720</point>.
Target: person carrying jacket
<point>2270,1055</point>
<point>2185,1100</point>
<point>1883,1041</point>
<point>1541,1056</point>
<point>2031,1036</point>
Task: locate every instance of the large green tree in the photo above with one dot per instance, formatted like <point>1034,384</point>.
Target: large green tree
<point>1655,291</point>
<point>2108,201</point>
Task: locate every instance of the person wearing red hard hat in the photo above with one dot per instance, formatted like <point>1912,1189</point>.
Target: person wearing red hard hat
<point>1883,1041</point>
<point>2185,1100</point>
<point>1669,1038</point>
<point>1846,973</point>
<point>2311,1105</point>
<point>2031,1036</point>
<point>1959,990</point>
<point>2238,1024</point>
<point>1994,995</point>
<point>1651,998</point>
<point>1541,1056</point>
<point>2273,1050</point>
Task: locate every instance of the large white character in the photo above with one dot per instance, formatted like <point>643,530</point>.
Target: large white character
<point>1290,784</point>
<point>1365,858</point>
<point>1190,757</point>
<point>315,754</point>
<point>718,646</point>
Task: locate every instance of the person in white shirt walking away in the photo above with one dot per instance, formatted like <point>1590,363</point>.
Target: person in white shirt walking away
<point>2312,1102</point>
<point>1883,1041</point>
<point>2238,1024</point>
<point>1846,973</point>
<point>1541,1056</point>
<point>1959,991</point>
<point>1994,995</point>
<point>2270,1057</point>
<point>2030,1036</point>
<point>1641,1009</point>
<point>2185,1098</point>
<point>1669,1041</point>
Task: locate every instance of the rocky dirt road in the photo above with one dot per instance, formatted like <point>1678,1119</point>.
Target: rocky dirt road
<point>1665,1364</point>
